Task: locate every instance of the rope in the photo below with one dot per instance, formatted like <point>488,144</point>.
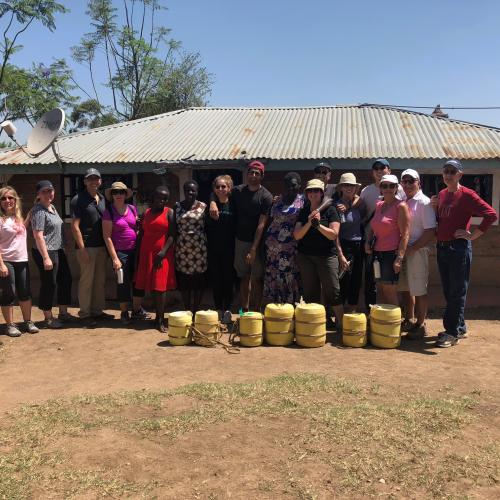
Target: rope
<point>214,342</point>
<point>310,335</point>
<point>354,333</point>
<point>382,322</point>
<point>321,322</point>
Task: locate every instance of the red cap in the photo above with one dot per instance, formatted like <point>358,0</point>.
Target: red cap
<point>256,164</point>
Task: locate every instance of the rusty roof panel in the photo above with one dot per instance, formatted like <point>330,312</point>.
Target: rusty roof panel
<point>211,134</point>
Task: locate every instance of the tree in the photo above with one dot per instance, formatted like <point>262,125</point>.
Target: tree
<point>145,70</point>
<point>27,93</point>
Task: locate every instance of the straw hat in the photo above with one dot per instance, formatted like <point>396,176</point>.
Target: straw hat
<point>315,184</point>
<point>348,178</point>
<point>117,186</point>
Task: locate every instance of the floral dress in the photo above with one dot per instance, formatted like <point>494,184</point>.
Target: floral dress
<point>191,244</point>
<point>282,277</point>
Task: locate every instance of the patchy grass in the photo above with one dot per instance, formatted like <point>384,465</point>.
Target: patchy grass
<point>362,441</point>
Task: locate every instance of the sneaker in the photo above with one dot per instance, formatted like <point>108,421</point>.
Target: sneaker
<point>52,324</point>
<point>447,340</point>
<point>88,322</point>
<point>407,325</point>
<point>140,314</point>
<point>125,317</point>
<point>104,316</point>
<point>12,330</point>
<point>227,318</point>
<point>462,335</point>
<point>416,332</point>
<point>29,327</point>
<point>67,318</point>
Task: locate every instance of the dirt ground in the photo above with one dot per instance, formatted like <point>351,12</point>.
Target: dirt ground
<point>71,362</point>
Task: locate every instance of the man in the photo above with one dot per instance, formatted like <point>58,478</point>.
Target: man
<point>252,203</point>
<point>87,208</point>
<point>323,172</point>
<point>455,206</point>
<point>414,274</point>
<point>370,195</point>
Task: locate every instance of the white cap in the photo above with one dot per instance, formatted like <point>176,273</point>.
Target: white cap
<point>412,173</point>
<point>392,179</point>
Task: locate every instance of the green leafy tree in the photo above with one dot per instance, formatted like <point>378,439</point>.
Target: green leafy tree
<point>146,72</point>
<point>26,93</point>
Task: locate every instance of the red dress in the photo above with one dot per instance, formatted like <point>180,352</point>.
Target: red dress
<point>154,236</point>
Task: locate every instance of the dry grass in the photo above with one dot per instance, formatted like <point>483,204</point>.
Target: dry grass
<point>363,438</point>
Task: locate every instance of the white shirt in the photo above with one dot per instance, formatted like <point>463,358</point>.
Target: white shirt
<point>422,216</point>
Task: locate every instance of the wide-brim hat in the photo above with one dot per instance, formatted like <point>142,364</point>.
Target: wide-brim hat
<point>117,186</point>
<point>348,178</point>
<point>315,184</point>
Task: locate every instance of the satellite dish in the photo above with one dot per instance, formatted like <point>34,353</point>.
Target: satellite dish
<point>45,132</point>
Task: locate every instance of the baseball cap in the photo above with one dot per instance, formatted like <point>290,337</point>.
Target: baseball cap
<point>455,164</point>
<point>92,171</point>
<point>390,178</point>
<point>382,161</point>
<point>256,164</point>
<point>321,165</point>
<point>412,173</point>
<point>43,185</point>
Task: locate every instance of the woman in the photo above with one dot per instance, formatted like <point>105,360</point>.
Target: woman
<point>14,268</point>
<point>49,256</point>
<point>350,249</point>
<point>390,227</point>
<point>191,247</point>
<point>317,252</point>
<point>155,270</point>
<point>282,277</point>
<point>119,228</point>
<point>220,242</point>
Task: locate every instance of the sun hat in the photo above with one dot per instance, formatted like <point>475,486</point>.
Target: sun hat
<point>455,164</point>
<point>43,185</point>
<point>92,171</point>
<point>390,178</point>
<point>315,184</point>
<point>410,172</point>
<point>117,186</point>
<point>382,161</point>
<point>257,165</point>
<point>348,178</point>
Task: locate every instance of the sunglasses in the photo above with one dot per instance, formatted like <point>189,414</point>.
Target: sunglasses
<point>450,171</point>
<point>379,167</point>
<point>387,186</point>
<point>254,172</point>
<point>118,191</point>
<point>7,198</point>
<point>315,190</point>
<point>322,171</point>
<point>221,186</point>
<point>408,181</point>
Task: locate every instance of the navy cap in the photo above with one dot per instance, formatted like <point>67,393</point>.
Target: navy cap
<point>322,164</point>
<point>92,171</point>
<point>455,164</point>
<point>43,185</point>
<point>382,161</point>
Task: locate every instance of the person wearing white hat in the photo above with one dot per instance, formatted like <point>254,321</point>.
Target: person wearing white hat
<point>414,274</point>
<point>389,230</point>
<point>350,240</point>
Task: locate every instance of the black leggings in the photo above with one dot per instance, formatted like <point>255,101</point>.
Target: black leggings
<point>350,284</point>
<point>59,276</point>
<point>222,275</point>
<point>17,283</point>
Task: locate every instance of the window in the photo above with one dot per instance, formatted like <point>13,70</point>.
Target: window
<point>73,184</point>
<point>482,184</point>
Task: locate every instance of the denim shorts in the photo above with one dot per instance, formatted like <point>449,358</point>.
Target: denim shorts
<point>387,274</point>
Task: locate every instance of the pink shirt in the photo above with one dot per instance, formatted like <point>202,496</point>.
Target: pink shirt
<point>13,240</point>
<point>123,232</point>
<point>385,227</point>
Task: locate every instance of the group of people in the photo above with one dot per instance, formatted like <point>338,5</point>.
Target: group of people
<point>319,243</point>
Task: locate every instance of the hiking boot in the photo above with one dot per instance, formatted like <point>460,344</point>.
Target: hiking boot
<point>140,314</point>
<point>103,316</point>
<point>12,330</point>
<point>67,318</point>
<point>52,324</point>
<point>446,340</point>
<point>416,332</point>
<point>125,317</point>
<point>30,327</point>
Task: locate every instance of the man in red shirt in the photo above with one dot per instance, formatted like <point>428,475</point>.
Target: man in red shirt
<point>455,205</point>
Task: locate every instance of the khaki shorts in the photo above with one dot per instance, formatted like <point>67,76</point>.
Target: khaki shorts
<point>414,274</point>
<point>241,249</point>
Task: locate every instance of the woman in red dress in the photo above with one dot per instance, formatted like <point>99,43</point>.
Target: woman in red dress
<point>155,270</point>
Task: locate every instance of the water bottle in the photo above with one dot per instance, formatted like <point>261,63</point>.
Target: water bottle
<point>347,268</point>
<point>376,269</point>
<point>119,275</point>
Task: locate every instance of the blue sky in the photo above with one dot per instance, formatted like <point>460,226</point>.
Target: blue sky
<point>319,52</point>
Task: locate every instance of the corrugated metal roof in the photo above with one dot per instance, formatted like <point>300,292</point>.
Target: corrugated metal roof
<point>218,134</point>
